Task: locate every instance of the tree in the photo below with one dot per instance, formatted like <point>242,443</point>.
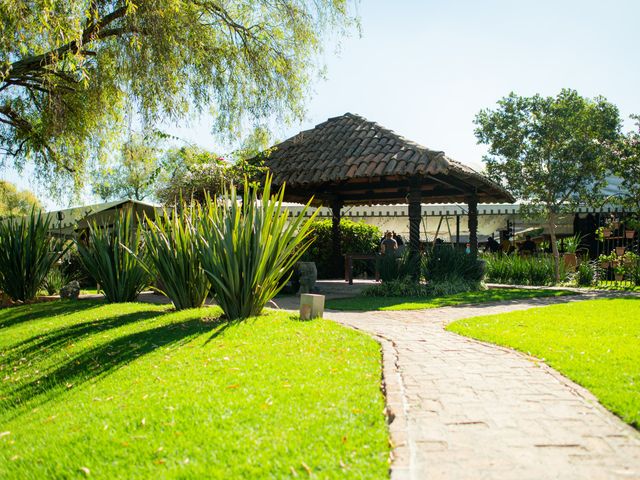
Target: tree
<point>14,202</point>
<point>69,68</point>
<point>552,153</point>
<point>626,165</point>
<point>135,173</point>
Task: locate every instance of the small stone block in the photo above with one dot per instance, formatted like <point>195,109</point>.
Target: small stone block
<point>311,306</point>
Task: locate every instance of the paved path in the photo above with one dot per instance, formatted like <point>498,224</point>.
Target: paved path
<point>466,410</point>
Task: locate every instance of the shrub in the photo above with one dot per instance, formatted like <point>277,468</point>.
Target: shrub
<point>27,253</point>
<point>248,248</point>
<point>446,264</point>
<point>111,255</point>
<point>173,258</point>
<point>395,266</point>
<point>407,287</point>
<point>516,270</point>
<point>586,273</point>
<point>404,287</point>
<point>55,280</point>
<point>355,237</point>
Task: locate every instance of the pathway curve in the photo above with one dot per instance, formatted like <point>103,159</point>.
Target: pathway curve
<point>463,409</point>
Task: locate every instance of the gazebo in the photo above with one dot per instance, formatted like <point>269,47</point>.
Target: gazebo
<point>349,160</point>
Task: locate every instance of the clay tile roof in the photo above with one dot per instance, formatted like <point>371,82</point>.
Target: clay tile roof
<point>350,147</point>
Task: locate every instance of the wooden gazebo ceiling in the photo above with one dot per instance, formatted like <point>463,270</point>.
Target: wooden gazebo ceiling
<point>363,163</point>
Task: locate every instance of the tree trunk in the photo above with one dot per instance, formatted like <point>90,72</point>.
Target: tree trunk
<point>554,246</point>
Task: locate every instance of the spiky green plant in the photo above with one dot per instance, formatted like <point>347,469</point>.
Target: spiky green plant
<point>173,258</point>
<point>111,255</point>
<point>27,253</point>
<point>249,246</point>
<point>54,281</point>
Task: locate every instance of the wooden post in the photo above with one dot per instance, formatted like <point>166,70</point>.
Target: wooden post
<point>415,215</point>
<point>457,230</point>
<point>473,223</point>
<point>338,261</point>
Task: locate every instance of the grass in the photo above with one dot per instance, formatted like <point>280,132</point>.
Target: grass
<point>136,390</point>
<point>413,303</point>
<point>595,343</point>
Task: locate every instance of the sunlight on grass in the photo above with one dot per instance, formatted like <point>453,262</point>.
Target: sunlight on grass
<point>413,303</point>
<point>596,343</point>
<point>137,390</point>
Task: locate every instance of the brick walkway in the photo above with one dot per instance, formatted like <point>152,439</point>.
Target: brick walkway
<point>466,410</point>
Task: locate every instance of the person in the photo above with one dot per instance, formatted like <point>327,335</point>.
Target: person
<point>492,245</point>
<point>388,245</point>
<point>467,249</point>
<point>397,238</point>
<point>529,246</point>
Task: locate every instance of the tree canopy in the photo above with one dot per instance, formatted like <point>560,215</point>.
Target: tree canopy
<point>133,175</point>
<point>16,202</point>
<point>69,68</point>
<point>551,152</point>
<point>626,165</point>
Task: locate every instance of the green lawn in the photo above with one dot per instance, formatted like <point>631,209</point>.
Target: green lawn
<point>596,343</point>
<point>413,303</point>
<point>139,391</point>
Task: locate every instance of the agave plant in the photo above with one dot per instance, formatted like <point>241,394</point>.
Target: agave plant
<point>249,247</point>
<point>111,255</point>
<point>173,256</point>
<point>54,281</point>
<point>27,253</point>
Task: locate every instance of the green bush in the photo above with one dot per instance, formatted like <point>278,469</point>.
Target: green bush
<point>586,273</point>
<point>111,255</point>
<point>446,264</point>
<point>73,268</point>
<point>395,266</point>
<point>355,237</point>
<point>516,270</point>
<point>27,253</point>
<point>55,280</point>
<point>248,247</point>
<point>172,257</point>
<point>407,287</point>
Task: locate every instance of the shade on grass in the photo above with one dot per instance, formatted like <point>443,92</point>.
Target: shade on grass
<point>413,303</point>
<point>596,343</point>
<point>137,391</point>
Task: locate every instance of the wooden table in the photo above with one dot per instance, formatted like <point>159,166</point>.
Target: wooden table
<point>348,264</point>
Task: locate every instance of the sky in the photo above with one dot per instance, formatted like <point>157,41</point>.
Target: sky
<point>424,68</point>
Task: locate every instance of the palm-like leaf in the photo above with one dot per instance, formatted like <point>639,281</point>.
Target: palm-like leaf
<point>110,255</point>
<point>248,247</point>
<point>27,253</point>
<point>173,255</point>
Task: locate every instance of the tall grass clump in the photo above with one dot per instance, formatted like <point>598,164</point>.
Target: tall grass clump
<point>249,246</point>
<point>395,265</point>
<point>27,253</point>
<point>516,270</point>
<point>173,258</point>
<point>111,254</point>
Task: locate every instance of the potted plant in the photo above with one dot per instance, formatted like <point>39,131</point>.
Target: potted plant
<point>603,260</point>
<point>602,233</point>
<point>618,272</point>
<point>620,251</point>
<point>571,245</point>
<point>632,225</point>
<point>629,259</point>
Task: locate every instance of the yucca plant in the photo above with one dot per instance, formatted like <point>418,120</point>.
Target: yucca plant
<point>27,253</point>
<point>249,246</point>
<point>111,255</point>
<point>173,258</point>
<point>54,281</point>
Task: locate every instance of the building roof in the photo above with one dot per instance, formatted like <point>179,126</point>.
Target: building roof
<point>364,163</point>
